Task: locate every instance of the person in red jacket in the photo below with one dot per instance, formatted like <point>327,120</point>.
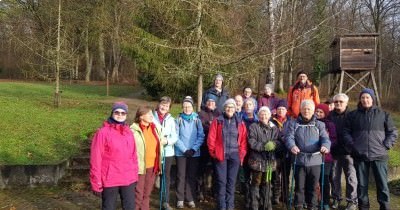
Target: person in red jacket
<point>227,144</point>
<point>113,161</point>
<point>301,90</point>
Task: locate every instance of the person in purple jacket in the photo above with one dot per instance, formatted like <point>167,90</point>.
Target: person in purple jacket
<point>268,98</point>
<point>113,161</point>
<point>322,112</point>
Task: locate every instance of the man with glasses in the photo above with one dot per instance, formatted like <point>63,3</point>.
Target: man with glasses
<point>343,160</point>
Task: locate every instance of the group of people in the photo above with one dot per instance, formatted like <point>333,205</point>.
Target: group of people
<point>279,151</point>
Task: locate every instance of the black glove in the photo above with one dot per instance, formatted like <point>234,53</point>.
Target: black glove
<point>98,194</point>
<point>189,153</point>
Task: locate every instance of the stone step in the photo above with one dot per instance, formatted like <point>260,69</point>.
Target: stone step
<point>78,171</point>
<point>83,160</point>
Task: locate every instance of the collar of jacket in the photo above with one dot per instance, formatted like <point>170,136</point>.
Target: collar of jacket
<point>300,120</point>
<point>363,109</point>
<point>221,117</point>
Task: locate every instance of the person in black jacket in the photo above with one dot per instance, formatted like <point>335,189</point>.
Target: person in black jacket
<point>369,133</point>
<point>217,91</point>
<point>343,160</point>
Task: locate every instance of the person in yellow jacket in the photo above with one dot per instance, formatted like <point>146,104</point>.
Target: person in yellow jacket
<point>149,143</point>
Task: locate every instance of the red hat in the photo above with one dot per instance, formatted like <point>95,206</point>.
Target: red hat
<point>324,108</point>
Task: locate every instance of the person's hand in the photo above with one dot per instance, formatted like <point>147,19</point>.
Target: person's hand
<point>164,141</point>
<point>270,146</point>
<point>324,150</point>
<point>98,194</point>
<point>189,152</point>
<point>295,150</point>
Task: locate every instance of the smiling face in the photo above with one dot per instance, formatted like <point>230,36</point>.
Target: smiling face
<point>366,100</point>
<point>119,115</point>
<point>281,111</point>
<point>302,78</point>
<point>247,92</point>
<point>320,114</point>
<point>210,104</point>
<point>163,108</point>
<point>307,111</point>
<point>146,118</point>
<point>249,106</point>
<point>230,110</point>
<point>187,108</point>
<point>267,91</point>
<point>264,117</point>
<point>218,83</point>
<point>340,104</point>
<point>239,102</point>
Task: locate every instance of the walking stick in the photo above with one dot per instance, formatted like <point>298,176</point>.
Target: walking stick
<point>322,180</point>
<point>163,189</point>
<point>292,187</point>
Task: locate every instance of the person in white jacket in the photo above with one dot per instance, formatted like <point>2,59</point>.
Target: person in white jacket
<point>167,122</point>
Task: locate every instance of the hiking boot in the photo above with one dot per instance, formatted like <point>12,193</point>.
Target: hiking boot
<point>179,205</point>
<point>191,204</point>
<point>335,204</point>
<point>351,206</point>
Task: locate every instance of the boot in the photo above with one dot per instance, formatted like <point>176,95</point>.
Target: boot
<point>254,197</point>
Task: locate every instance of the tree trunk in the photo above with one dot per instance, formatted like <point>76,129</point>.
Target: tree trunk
<point>199,55</point>
<point>116,46</point>
<point>57,96</point>
<point>271,67</point>
<point>88,56</point>
<point>102,59</point>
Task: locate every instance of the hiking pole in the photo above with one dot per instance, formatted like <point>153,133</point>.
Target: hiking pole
<point>292,187</point>
<point>322,180</point>
<point>162,188</point>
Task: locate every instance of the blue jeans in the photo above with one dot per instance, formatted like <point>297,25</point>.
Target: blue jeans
<point>226,174</point>
<point>379,169</point>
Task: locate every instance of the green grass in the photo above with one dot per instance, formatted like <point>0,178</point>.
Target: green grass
<point>34,132</point>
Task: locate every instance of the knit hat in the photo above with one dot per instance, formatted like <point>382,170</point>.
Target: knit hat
<point>211,97</point>
<point>120,105</point>
<point>369,91</point>
<point>188,99</point>
<point>230,101</point>
<point>324,108</point>
<point>219,76</point>
<point>281,103</point>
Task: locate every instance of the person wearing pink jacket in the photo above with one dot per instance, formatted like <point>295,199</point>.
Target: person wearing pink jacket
<point>113,161</point>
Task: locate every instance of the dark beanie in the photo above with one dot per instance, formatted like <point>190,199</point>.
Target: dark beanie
<point>282,103</point>
<point>120,105</point>
<point>369,91</point>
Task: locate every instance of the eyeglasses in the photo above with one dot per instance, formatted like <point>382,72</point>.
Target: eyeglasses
<point>119,113</point>
<point>229,107</point>
<point>339,102</point>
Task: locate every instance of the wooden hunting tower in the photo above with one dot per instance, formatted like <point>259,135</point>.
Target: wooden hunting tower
<point>355,56</point>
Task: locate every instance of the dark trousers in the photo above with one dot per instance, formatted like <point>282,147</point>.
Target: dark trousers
<point>166,178</point>
<point>379,168</point>
<point>186,177</point>
<point>280,179</point>
<point>226,174</point>
<point>327,182</point>
<point>143,189</point>
<point>126,193</point>
<point>306,181</point>
<point>205,174</point>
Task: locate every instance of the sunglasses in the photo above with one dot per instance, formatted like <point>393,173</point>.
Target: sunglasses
<point>119,113</point>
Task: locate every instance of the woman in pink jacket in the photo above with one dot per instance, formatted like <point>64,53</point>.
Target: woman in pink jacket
<point>113,161</point>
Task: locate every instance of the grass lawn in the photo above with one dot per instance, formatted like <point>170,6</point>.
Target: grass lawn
<point>34,132</point>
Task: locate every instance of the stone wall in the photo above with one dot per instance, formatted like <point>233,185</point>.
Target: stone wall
<point>31,175</point>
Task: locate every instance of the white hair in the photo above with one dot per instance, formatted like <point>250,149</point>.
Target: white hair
<point>341,95</point>
<point>264,109</point>
<point>307,102</point>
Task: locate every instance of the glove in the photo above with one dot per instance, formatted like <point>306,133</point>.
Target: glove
<point>189,153</point>
<point>270,146</point>
<point>98,194</point>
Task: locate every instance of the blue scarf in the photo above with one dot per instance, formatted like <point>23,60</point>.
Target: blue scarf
<point>188,117</point>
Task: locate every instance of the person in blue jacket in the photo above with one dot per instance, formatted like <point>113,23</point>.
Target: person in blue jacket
<point>307,139</point>
<point>187,152</point>
<point>168,130</point>
<point>218,91</point>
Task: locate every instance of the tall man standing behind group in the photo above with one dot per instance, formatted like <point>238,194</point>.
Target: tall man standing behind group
<point>369,133</point>
<point>303,89</point>
<point>343,159</point>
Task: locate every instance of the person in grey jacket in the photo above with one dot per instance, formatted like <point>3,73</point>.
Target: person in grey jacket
<point>263,140</point>
<point>167,122</point>
<point>369,133</point>
<point>307,139</point>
